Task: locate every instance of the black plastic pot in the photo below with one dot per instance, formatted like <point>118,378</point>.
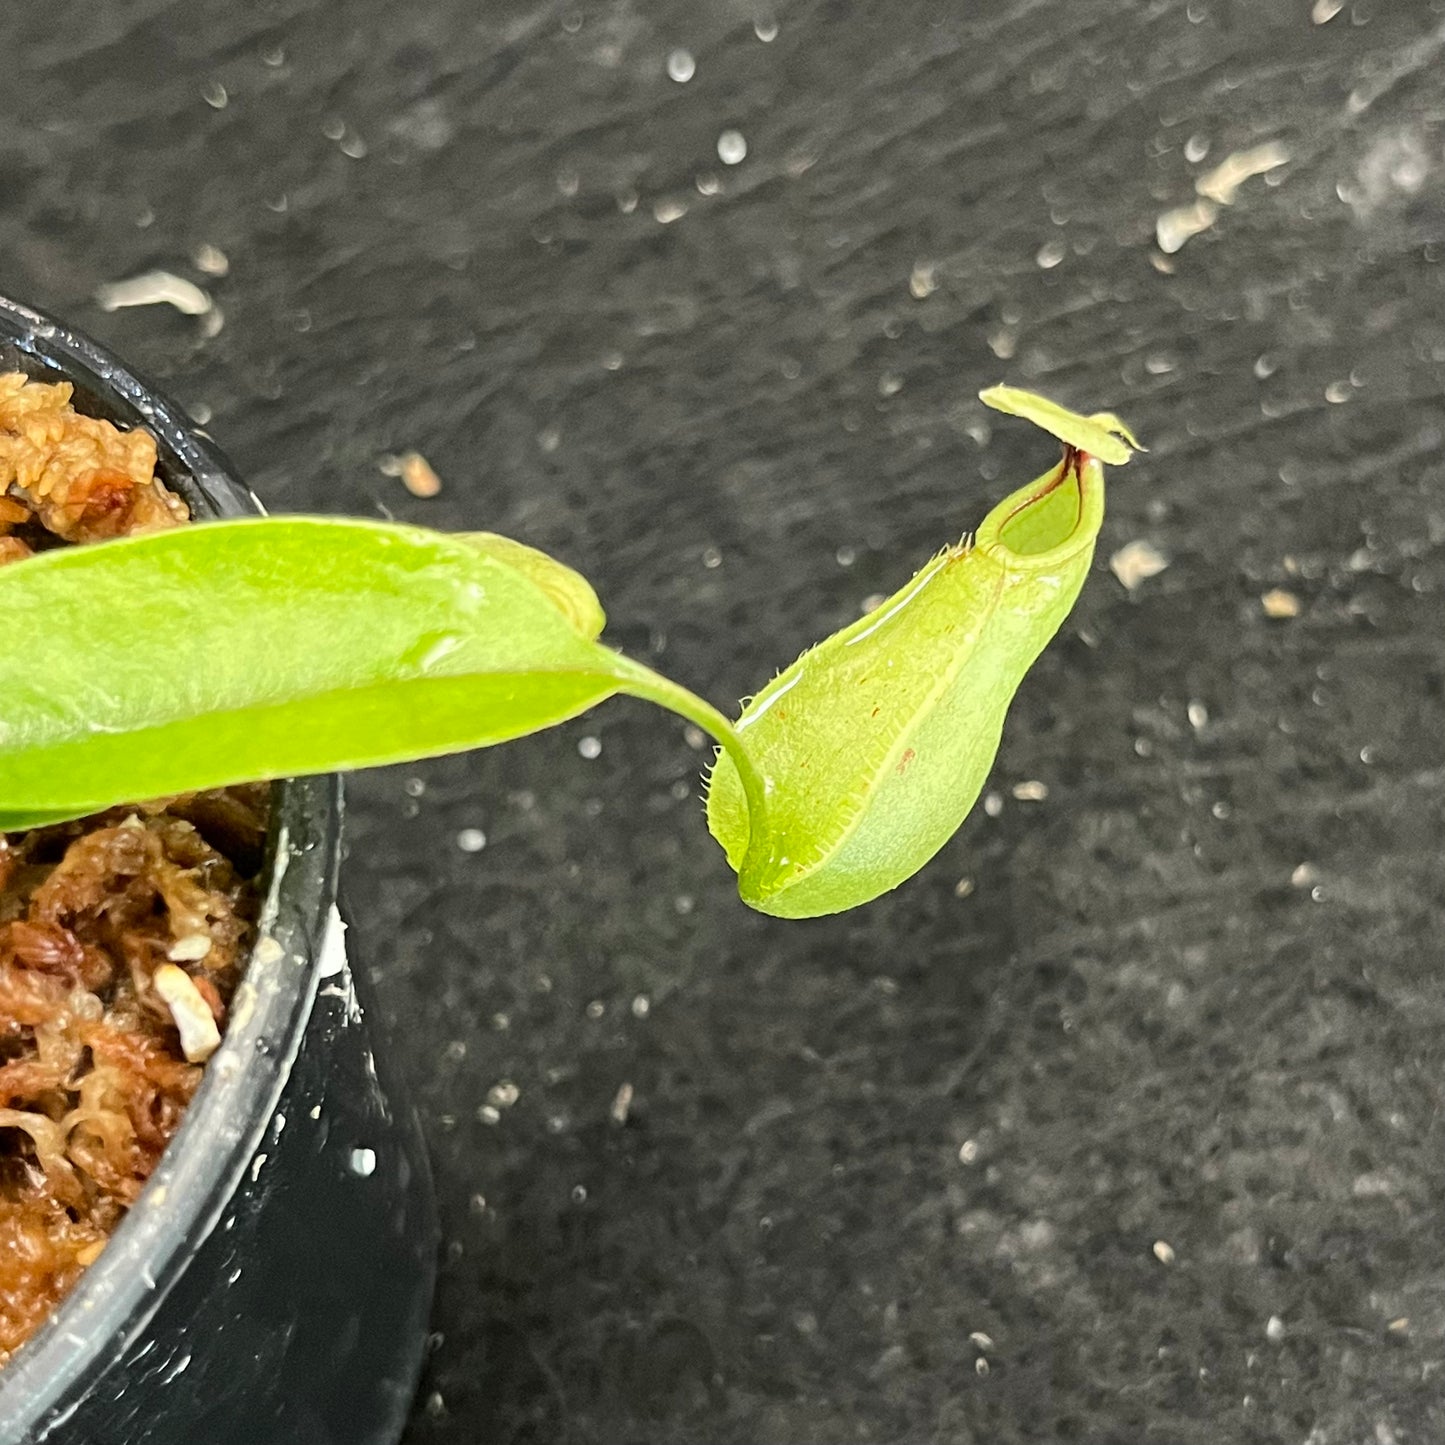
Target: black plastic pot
<point>273,1282</point>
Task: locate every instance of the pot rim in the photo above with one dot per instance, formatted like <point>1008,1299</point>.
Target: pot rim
<point>223,1128</point>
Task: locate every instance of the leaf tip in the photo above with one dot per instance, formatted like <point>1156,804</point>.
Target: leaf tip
<point>1102,434</point>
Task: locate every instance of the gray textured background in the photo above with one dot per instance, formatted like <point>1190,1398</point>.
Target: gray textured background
<point>442,224</point>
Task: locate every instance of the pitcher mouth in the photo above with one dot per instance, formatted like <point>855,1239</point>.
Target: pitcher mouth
<point>1051,519</point>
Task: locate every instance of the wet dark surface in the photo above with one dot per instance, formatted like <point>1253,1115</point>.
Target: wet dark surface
<point>1188,1004</point>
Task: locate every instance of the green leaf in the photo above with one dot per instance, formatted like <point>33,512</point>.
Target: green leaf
<point>234,651</point>
<point>1102,435</point>
<point>874,745</point>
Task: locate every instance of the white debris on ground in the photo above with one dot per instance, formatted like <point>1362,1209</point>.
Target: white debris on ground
<point>922,280</point>
<point>1279,603</point>
<point>1135,562</point>
<point>1214,189</point>
<point>211,260</point>
<point>1223,182</point>
<point>1175,227</point>
<point>154,288</point>
<point>415,472</point>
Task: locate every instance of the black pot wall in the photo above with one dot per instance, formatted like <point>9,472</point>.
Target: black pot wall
<point>272,1284</point>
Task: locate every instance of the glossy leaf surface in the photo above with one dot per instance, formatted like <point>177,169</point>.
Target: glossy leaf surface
<point>263,648</point>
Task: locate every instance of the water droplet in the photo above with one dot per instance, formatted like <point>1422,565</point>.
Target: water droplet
<point>363,1162</point>
<point>845,556</point>
<point>215,95</point>
<point>431,650</point>
<point>1198,715</point>
<point>680,66</point>
<point>596,1009</point>
<point>641,1006</point>
<point>1337,392</point>
<point>590,747</point>
<point>1196,148</point>
<point>711,558</point>
<point>708,184</point>
<point>668,211</point>
<point>471,840</point>
<point>333,128</point>
<point>1050,254</point>
<point>503,1094</point>
<point>579,1194</point>
<point>1003,344</point>
<point>732,148</point>
<point>765,27</point>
